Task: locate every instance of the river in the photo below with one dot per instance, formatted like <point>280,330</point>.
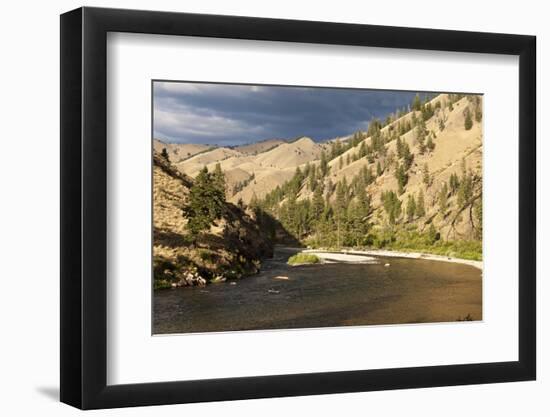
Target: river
<point>327,295</point>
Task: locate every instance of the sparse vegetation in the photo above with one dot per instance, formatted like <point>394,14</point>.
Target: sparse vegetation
<point>468,123</point>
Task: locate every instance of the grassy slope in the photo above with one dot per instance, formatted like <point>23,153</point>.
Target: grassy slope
<point>232,248</point>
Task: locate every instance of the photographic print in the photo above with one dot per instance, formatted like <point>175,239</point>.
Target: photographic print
<point>287,207</point>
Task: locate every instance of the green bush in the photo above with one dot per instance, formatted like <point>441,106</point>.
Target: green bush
<point>303,258</point>
<point>410,240</point>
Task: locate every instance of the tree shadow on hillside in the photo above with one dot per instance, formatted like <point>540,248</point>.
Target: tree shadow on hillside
<point>276,230</point>
<point>169,239</point>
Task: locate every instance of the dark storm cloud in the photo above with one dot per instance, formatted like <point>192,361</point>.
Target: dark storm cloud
<point>227,114</point>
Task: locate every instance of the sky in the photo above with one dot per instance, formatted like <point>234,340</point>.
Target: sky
<point>235,114</point>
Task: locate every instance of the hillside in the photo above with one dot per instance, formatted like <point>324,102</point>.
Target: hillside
<point>231,248</point>
<point>255,169</point>
<point>412,181</point>
<point>179,151</point>
<point>290,155</point>
<point>453,144</point>
<point>258,147</point>
<point>370,188</point>
<point>194,164</point>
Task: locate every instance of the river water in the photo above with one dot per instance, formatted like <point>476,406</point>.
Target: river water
<point>328,295</point>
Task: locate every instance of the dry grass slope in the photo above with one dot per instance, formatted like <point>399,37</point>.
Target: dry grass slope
<point>232,248</point>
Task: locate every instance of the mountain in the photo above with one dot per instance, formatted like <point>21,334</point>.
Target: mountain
<point>414,180</point>
<point>232,246</point>
<point>453,145</point>
<point>257,168</point>
<point>179,151</point>
<point>290,155</point>
<point>259,147</point>
<point>193,165</point>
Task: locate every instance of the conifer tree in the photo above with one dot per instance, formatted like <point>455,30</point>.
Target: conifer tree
<point>205,202</point>
<point>443,199</point>
<point>318,203</point>
<point>340,209</point>
<point>478,213</point>
<point>392,205</point>
<point>164,154</point>
<point>430,145</point>
<point>454,183</point>
<point>468,123</point>
<point>401,177</point>
<point>411,207</point>
<point>399,147</point>
<point>465,190</point>
<point>378,169</point>
<point>313,178</point>
<point>441,123</point>
<point>362,150</point>
<point>323,165</point>
<point>421,133</point>
<point>426,177</point>
<point>407,156</point>
<point>218,179</point>
<point>420,209</point>
<point>416,104</point>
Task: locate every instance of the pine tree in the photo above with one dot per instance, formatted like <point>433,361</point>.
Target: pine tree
<point>399,147</point>
<point>427,111</point>
<point>402,178</point>
<point>340,209</point>
<point>323,165</point>
<point>411,207</point>
<point>378,169</point>
<point>468,123</point>
<point>218,178</point>
<point>441,123</point>
<point>318,204</point>
<point>205,202</point>
<point>313,178</point>
<point>443,199</point>
<point>420,209</point>
<point>254,202</point>
<point>362,150</point>
<point>426,177</point>
<point>421,133</point>
<point>407,156</point>
<point>478,213</point>
<point>164,154</point>
<point>465,190</point>
<point>416,104</point>
<point>392,205</point>
<point>430,145</point>
<point>357,213</point>
<point>454,183</point>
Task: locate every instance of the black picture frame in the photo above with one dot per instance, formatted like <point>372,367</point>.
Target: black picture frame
<point>84,207</point>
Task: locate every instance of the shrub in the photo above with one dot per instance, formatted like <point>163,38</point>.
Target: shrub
<point>468,123</point>
<point>303,258</point>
